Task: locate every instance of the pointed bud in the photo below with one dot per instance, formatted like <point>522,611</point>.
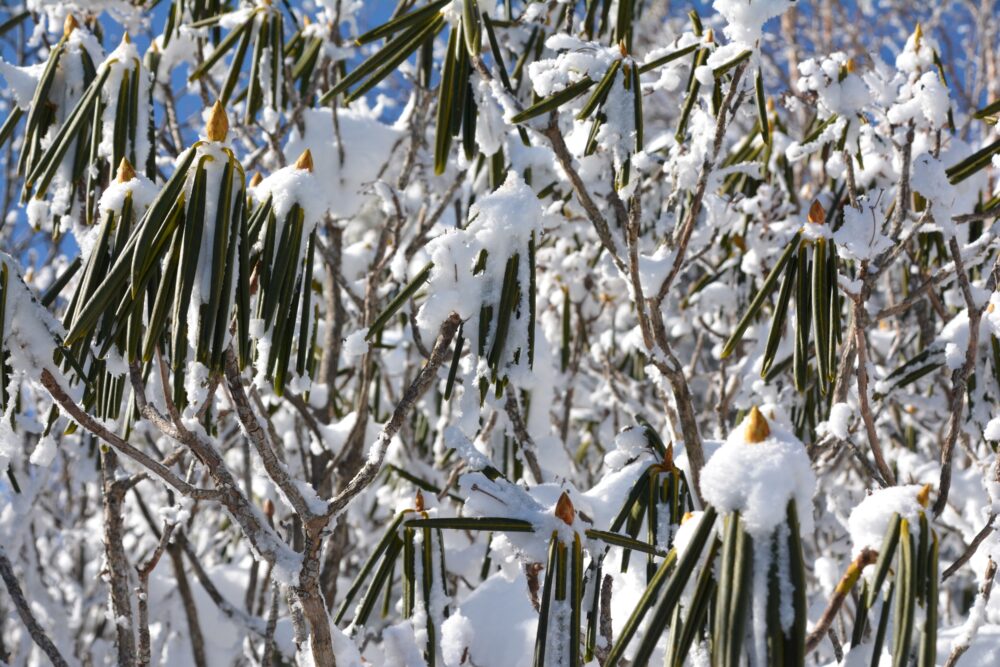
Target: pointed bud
<point>217,126</point>
<point>306,21</point>
<point>305,161</point>
<point>816,215</point>
<point>757,428</point>
<point>125,171</point>
<point>269,508</point>
<point>668,457</point>
<point>924,495</point>
<point>565,509</point>
<point>126,39</point>
<point>69,25</point>
<point>418,502</point>
<point>256,179</point>
<point>687,517</point>
<point>709,36</point>
<point>918,33</point>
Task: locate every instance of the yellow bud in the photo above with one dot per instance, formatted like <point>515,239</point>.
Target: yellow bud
<point>69,25</point>
<point>990,307</point>
<point>924,495</point>
<point>305,161</point>
<point>256,179</point>
<point>918,32</point>
<point>757,429</point>
<point>851,65</point>
<point>687,516</point>
<point>217,126</point>
<point>125,171</point>
<point>418,502</point>
<point>709,36</point>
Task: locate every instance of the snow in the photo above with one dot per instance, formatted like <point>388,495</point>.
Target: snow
<point>496,598</point>
<point>22,81</point>
<point>142,190</point>
<point>44,453</point>
<point>366,143</point>
<point>290,186</point>
<point>355,344</point>
<point>840,418</point>
<point>758,479</point>
<point>582,438</point>
<point>745,20</point>
<point>578,59</point>
<point>30,332</point>
<point>870,518</point>
<point>860,236</point>
<point>629,443</point>
<point>503,222</point>
<point>838,92</point>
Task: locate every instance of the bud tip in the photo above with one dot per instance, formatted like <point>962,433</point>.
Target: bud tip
<point>125,171</point>
<point>69,25</point>
<point>757,428</point>
<point>817,215</point>
<point>217,126</point>
<point>565,509</point>
<point>924,495</point>
<point>305,161</point>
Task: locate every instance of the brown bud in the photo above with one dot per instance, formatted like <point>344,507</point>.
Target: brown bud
<point>418,502</point>
<point>305,161</point>
<point>687,517</point>
<point>924,495</point>
<point>217,126</point>
<point>816,215</point>
<point>125,171</point>
<point>565,510</point>
<point>69,25</point>
<point>269,508</point>
<point>256,179</point>
<point>757,429</point>
<point>709,36</point>
<point>126,39</point>
<point>668,457</point>
<point>851,65</point>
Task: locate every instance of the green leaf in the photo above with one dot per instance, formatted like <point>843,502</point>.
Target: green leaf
<point>760,296</point>
<point>670,57</point>
<point>397,303</point>
<point>495,524</point>
<point>554,101</point>
<point>223,47</point>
